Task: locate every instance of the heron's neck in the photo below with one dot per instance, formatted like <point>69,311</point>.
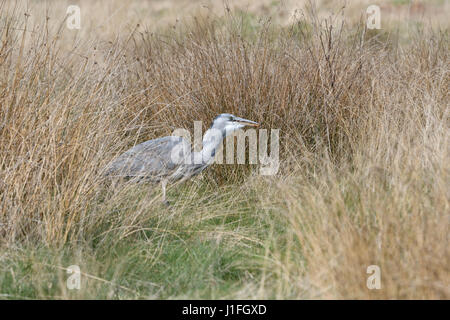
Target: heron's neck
<point>212,140</point>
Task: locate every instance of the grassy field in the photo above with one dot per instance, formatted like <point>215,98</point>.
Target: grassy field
<point>364,174</point>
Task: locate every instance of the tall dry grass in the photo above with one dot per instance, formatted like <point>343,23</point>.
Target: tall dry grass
<point>363,116</point>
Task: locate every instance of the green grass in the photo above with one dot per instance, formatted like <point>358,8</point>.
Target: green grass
<point>189,254</point>
<point>401,2</point>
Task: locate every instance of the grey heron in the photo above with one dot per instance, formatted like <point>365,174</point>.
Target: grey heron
<point>171,158</point>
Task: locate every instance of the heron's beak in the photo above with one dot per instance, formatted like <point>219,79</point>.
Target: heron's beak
<point>246,122</point>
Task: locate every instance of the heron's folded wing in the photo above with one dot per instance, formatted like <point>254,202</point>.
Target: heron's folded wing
<point>153,158</point>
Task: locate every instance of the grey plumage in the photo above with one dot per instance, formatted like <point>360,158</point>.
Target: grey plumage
<point>171,158</point>
<point>151,160</point>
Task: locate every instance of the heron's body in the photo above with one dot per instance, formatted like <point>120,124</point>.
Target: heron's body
<point>169,159</point>
<point>149,161</point>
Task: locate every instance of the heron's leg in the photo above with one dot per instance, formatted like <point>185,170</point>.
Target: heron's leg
<point>164,184</point>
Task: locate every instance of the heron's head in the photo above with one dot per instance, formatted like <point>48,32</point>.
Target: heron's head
<point>228,123</point>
